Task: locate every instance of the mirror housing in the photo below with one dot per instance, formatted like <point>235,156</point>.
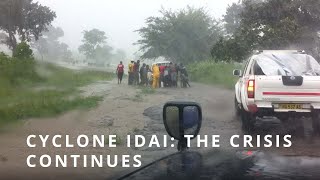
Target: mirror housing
<point>182,118</point>
<point>237,72</point>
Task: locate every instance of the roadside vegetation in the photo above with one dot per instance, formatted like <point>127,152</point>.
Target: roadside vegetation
<point>143,91</point>
<point>32,89</point>
<point>147,90</point>
<point>211,72</point>
<point>191,36</point>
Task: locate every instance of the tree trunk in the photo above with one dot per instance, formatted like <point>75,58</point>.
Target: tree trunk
<point>12,42</point>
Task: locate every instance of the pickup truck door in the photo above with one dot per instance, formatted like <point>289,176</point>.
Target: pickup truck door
<point>242,82</point>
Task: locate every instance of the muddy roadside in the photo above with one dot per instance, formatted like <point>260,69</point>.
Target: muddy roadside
<point>125,110</point>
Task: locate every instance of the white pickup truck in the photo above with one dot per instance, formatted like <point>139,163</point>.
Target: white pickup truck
<point>280,84</point>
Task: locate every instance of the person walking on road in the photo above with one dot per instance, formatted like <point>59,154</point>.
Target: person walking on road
<point>120,71</point>
<point>156,76</point>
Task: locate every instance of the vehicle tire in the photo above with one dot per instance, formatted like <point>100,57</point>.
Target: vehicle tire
<point>316,123</point>
<point>237,107</point>
<point>248,121</point>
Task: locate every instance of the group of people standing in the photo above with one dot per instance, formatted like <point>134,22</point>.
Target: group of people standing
<point>167,75</point>
<point>138,75</point>
<point>159,75</point>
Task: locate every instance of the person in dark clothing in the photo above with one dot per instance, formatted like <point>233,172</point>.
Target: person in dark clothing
<point>178,73</point>
<point>184,76</point>
<point>142,72</point>
<point>166,77</point>
<point>136,72</point>
<point>173,74</point>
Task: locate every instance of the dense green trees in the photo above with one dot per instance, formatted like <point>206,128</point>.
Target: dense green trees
<point>190,34</point>
<point>23,52</point>
<point>186,35</point>
<point>232,18</point>
<point>269,24</point>
<point>24,19</point>
<point>95,46</point>
<point>50,47</point>
<point>92,40</point>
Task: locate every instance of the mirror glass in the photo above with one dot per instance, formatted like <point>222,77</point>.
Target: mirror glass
<point>182,118</point>
<point>237,72</point>
<point>191,118</point>
<point>172,120</point>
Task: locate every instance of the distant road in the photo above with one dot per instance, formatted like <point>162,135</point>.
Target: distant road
<point>111,68</point>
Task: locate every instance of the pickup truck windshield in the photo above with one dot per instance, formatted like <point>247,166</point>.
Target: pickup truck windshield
<point>285,64</point>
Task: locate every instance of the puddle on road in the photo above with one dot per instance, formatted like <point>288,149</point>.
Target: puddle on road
<point>285,167</point>
<point>99,88</point>
<point>154,112</point>
<point>105,121</point>
<point>272,125</point>
<point>153,126</point>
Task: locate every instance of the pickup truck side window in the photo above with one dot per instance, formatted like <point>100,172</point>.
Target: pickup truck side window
<point>257,70</point>
<point>246,67</point>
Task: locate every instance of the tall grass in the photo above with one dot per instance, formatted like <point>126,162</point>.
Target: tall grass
<point>210,72</point>
<point>29,89</point>
<point>63,77</point>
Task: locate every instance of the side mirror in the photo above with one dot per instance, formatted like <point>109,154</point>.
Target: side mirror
<point>237,72</point>
<point>182,118</point>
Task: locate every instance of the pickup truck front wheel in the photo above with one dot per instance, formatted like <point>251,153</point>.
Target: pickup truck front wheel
<point>316,122</point>
<point>248,121</point>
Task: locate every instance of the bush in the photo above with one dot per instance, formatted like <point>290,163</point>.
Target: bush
<point>23,52</point>
<point>210,72</point>
<point>14,71</point>
<point>230,50</point>
<point>3,56</point>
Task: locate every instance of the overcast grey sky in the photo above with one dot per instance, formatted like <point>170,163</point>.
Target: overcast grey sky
<point>118,18</point>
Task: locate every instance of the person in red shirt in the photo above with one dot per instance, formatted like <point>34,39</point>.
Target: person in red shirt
<point>162,68</point>
<point>120,70</point>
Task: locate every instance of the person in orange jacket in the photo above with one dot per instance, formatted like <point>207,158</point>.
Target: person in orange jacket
<point>130,73</point>
<point>156,76</point>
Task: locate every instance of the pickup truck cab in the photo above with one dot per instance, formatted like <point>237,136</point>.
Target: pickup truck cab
<point>281,84</point>
<point>163,63</point>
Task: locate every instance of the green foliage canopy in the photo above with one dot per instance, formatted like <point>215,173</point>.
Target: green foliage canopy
<point>95,46</point>
<point>25,19</point>
<point>23,51</point>
<point>50,47</point>
<point>183,36</point>
<point>269,24</point>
